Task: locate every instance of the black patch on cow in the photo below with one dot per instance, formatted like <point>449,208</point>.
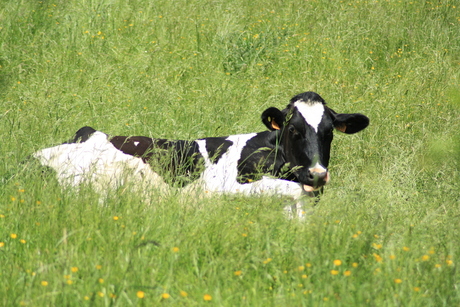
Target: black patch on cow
<point>178,162</point>
<point>216,147</point>
<point>138,146</point>
<point>261,155</point>
<point>308,96</point>
<point>82,135</point>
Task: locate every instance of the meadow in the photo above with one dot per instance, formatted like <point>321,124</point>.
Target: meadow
<point>387,229</point>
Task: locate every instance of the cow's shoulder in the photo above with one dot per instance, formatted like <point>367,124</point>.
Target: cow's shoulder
<point>260,155</point>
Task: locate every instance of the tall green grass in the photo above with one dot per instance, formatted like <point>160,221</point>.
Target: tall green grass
<point>386,231</point>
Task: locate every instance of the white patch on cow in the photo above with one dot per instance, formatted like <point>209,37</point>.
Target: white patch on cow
<point>221,177</point>
<point>99,163</point>
<point>312,112</point>
<point>136,143</point>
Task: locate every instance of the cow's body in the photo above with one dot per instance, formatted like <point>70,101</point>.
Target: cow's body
<point>290,159</point>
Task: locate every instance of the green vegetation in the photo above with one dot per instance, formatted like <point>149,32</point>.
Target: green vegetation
<point>386,232</point>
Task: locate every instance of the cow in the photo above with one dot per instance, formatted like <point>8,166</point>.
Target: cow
<point>291,158</point>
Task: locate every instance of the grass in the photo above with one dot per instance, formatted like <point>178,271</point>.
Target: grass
<point>190,69</point>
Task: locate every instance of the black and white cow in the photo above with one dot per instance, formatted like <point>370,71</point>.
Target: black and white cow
<point>291,158</point>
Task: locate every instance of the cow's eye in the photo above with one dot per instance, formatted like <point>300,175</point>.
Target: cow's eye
<point>292,130</point>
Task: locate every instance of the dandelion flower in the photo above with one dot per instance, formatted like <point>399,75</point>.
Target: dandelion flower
<point>100,280</point>
<point>13,236</point>
<point>74,269</point>
<point>416,289</point>
<point>2,244</point>
<point>98,267</point>
<point>267,261</point>
<point>207,297</point>
<point>406,249</point>
<point>378,258</point>
<point>237,273</point>
<point>115,218</point>
<point>140,294</point>
<point>337,262</point>
<point>101,294</point>
<point>44,283</point>
<point>425,257</point>
<point>183,293</point>
<point>354,264</point>
<point>175,249</point>
<point>347,273</point>
<point>22,241</point>
<point>398,280</point>
<point>165,296</point>
<point>334,272</point>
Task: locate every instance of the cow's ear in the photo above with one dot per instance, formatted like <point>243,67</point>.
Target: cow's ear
<point>350,123</point>
<point>273,118</point>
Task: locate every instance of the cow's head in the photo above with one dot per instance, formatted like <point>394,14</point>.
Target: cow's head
<point>306,131</point>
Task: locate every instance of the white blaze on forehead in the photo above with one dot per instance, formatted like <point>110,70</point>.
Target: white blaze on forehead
<point>312,112</point>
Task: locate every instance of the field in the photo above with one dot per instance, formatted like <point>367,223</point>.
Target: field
<point>385,233</point>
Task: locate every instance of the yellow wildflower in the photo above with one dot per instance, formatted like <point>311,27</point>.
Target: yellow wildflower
<point>207,297</point>
<point>140,294</point>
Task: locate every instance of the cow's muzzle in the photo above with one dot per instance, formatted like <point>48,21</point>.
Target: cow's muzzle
<point>318,176</point>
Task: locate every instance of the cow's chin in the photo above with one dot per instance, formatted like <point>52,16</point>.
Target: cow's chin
<point>309,188</point>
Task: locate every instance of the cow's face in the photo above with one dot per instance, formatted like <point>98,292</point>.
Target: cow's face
<point>306,131</point>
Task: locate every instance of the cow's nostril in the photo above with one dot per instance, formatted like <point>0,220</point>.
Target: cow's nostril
<point>318,175</point>
<point>321,175</point>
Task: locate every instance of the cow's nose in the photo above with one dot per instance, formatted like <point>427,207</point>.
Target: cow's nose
<point>319,175</point>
